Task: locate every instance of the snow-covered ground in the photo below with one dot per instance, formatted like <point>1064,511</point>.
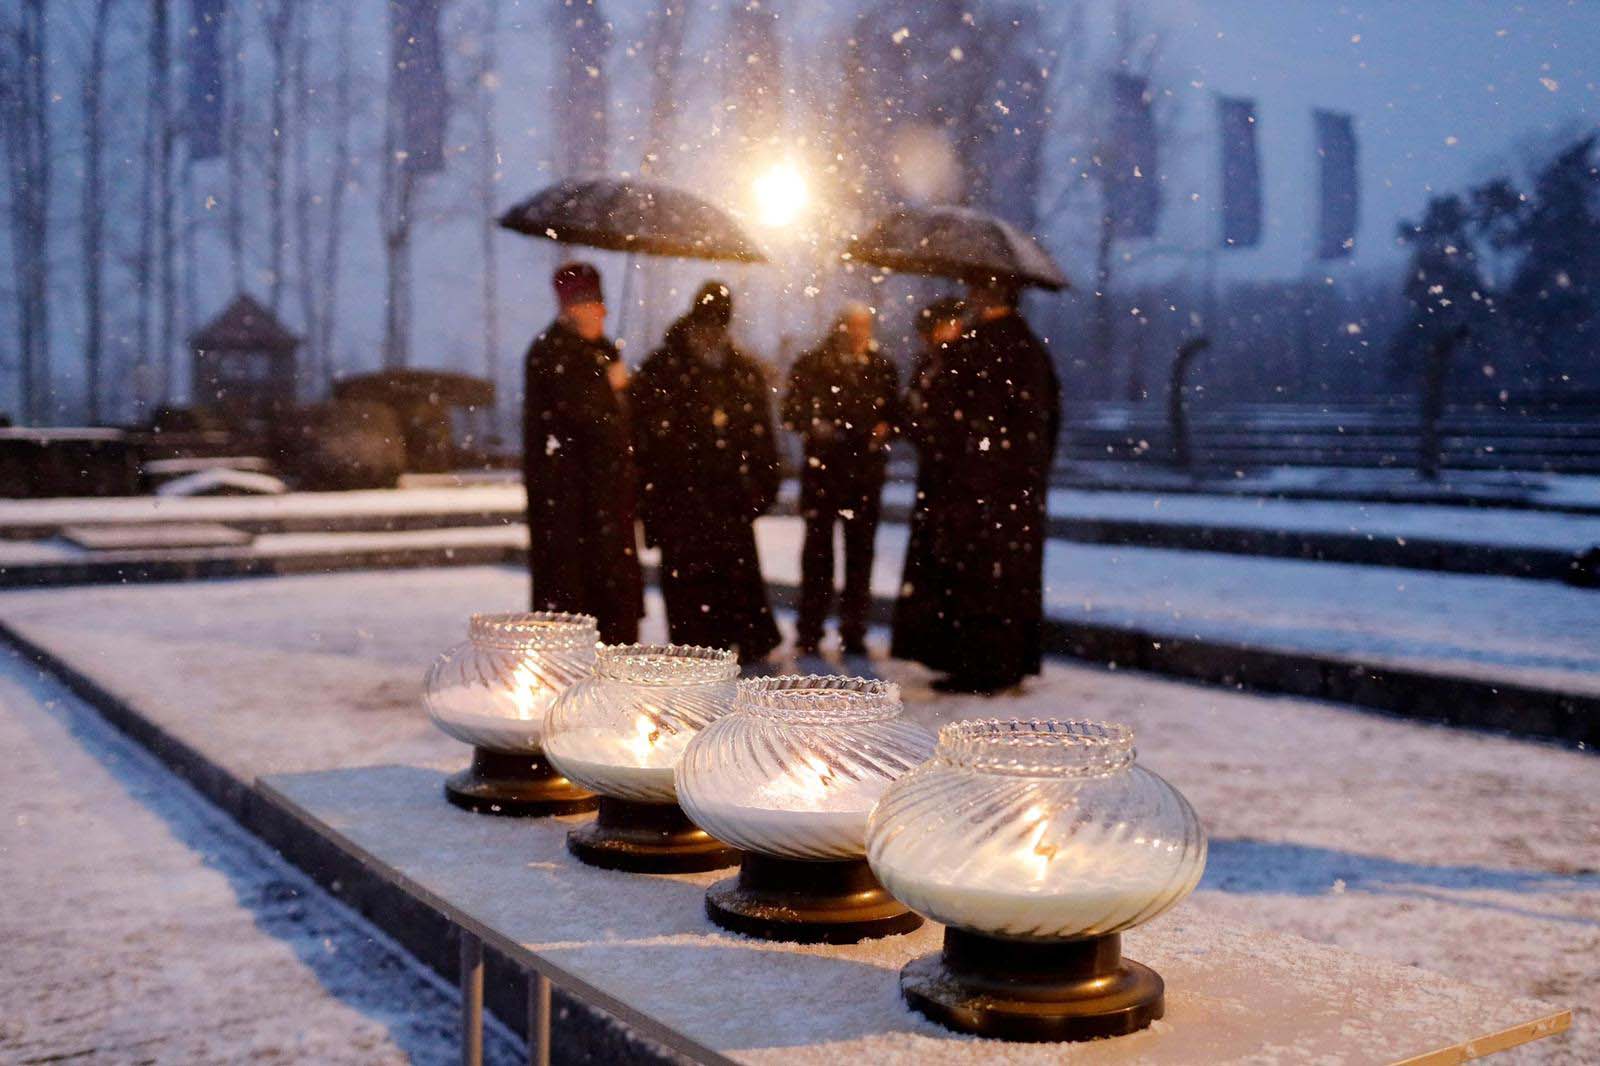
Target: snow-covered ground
<point>1538,633</point>
<point>293,506</point>
<point>1501,527</point>
<point>140,924</point>
<point>1472,855</point>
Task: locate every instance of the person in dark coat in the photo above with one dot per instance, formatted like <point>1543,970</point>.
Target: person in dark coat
<point>844,401</point>
<point>939,325</point>
<point>994,407</point>
<point>577,464</point>
<point>708,467</point>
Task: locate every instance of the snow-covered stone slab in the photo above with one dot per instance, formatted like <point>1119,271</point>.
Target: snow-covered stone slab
<point>641,947</point>
<point>157,536</point>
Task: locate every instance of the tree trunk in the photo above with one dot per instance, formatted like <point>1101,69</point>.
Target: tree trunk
<point>27,135</point>
<point>233,107</point>
<point>168,249</point>
<point>280,24</point>
<point>93,222</point>
<point>300,126</point>
<point>327,311</point>
<point>488,174</point>
<point>395,208</point>
<point>666,61</point>
<point>1104,318</point>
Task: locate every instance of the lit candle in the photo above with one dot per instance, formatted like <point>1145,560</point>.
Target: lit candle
<point>493,692</point>
<point>1036,843</point>
<point>622,733</point>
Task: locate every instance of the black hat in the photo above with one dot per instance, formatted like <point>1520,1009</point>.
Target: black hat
<point>713,304</point>
<point>941,310</point>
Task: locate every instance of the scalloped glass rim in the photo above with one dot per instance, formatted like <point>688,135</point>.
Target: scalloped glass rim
<point>818,699</point>
<point>666,664</point>
<point>1037,747</point>
<point>533,629</point>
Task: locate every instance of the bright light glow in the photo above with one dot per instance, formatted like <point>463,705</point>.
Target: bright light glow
<point>780,194</point>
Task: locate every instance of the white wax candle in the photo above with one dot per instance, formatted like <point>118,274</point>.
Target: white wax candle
<point>789,832</point>
<point>637,767</point>
<point>1012,897</point>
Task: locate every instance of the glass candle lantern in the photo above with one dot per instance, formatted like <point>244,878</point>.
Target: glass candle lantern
<point>790,777</point>
<point>621,733</point>
<point>1036,843</point>
<point>493,692</point>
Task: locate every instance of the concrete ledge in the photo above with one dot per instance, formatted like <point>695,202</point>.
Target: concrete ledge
<point>582,1035</point>
<point>90,571</point>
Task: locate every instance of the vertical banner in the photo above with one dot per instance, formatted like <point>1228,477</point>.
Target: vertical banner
<point>1241,173</point>
<point>418,82</point>
<point>580,93</point>
<point>205,95</point>
<point>1132,197</point>
<point>1339,210</point>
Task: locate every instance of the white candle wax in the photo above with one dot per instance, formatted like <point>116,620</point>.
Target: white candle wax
<point>1013,898</point>
<point>508,718</point>
<point>790,832</point>
<point>634,767</point>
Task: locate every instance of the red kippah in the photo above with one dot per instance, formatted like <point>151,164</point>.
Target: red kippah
<point>577,283</point>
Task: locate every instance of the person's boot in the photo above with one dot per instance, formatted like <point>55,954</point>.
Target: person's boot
<point>964,685</point>
<point>853,643</point>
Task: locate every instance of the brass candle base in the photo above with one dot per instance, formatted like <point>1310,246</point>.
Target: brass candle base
<point>807,902</point>
<point>654,838</point>
<point>516,785</point>
<point>1032,990</point>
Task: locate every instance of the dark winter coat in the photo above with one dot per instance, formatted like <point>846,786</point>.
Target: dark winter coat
<point>708,466</point>
<point>994,409</point>
<point>835,399</point>
<point>577,463</point>
<point>916,601</point>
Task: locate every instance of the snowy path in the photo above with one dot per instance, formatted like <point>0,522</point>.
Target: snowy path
<point>1497,629</point>
<point>142,925</point>
<point>303,510</point>
<point>1472,855</point>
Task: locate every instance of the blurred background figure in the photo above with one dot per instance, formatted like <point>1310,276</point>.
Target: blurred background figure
<point>577,463</point>
<point>843,400</point>
<point>993,407</point>
<point>708,467</point>
<point>939,325</point>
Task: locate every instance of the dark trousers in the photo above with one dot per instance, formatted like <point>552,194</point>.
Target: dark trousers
<point>858,511</point>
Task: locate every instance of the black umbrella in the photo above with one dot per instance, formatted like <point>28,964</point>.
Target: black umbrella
<point>626,215</point>
<point>956,242</point>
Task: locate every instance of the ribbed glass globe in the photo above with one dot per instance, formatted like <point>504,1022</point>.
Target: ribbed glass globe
<point>621,731</point>
<point>797,767</point>
<point>493,690</point>
<point>1036,830</point>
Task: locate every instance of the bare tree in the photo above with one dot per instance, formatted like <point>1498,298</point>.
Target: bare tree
<point>233,147</point>
<point>338,179</point>
<point>24,100</point>
<point>166,147</point>
<point>281,24</point>
<point>299,118</point>
<point>394,209</point>
<point>486,84</point>
<point>668,27</point>
<point>93,225</point>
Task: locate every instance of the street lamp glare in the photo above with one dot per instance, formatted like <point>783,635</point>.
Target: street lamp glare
<point>780,194</point>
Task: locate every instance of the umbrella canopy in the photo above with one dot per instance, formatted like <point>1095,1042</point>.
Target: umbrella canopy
<point>626,215</point>
<point>956,242</point>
